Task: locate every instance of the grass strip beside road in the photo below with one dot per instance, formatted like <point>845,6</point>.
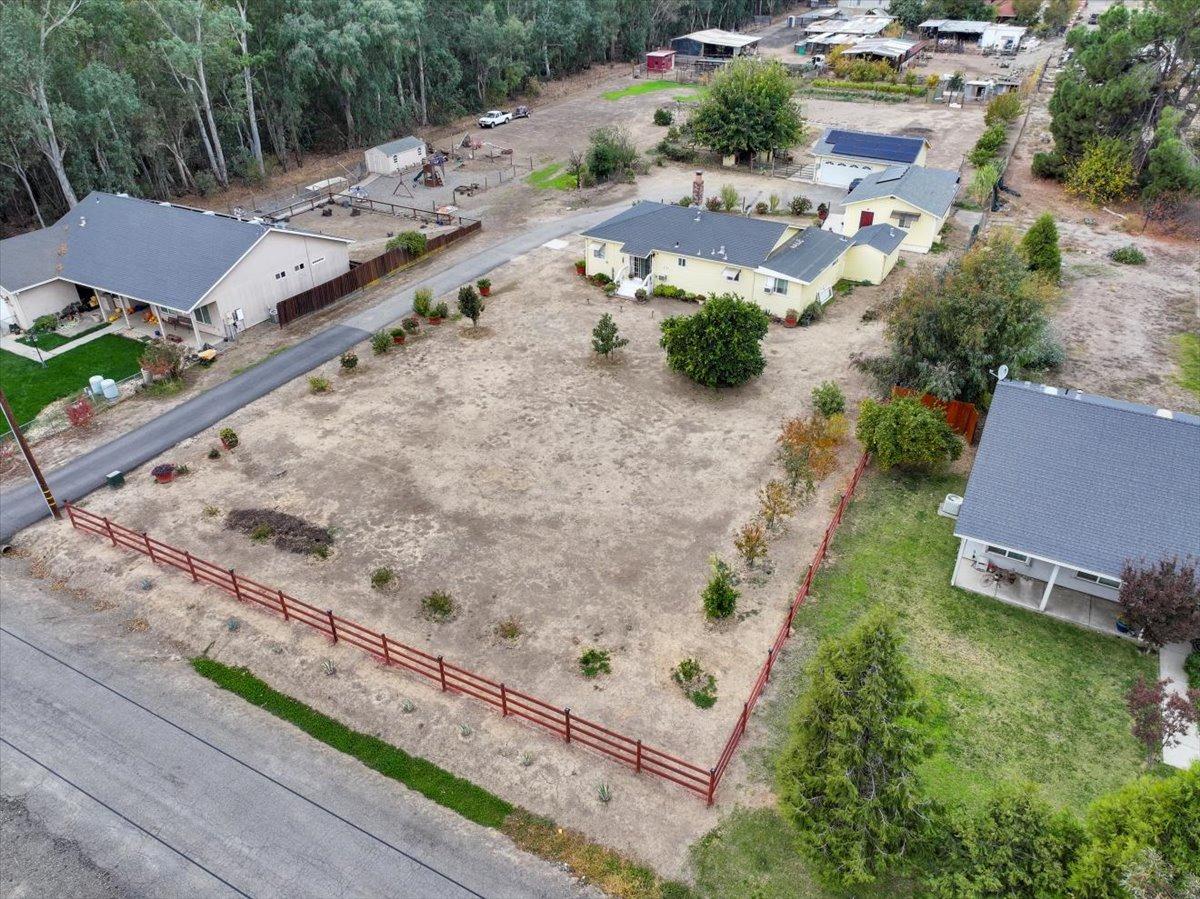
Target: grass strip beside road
<point>539,836</point>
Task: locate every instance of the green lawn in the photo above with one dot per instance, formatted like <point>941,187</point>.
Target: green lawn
<point>549,177</point>
<point>31,388</point>
<point>642,87</point>
<point>1189,362</point>
<point>1016,696</point>
<point>52,340</point>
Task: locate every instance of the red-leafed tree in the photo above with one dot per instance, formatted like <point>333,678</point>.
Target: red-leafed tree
<point>1160,717</point>
<point>80,413</point>
<point>1162,599</point>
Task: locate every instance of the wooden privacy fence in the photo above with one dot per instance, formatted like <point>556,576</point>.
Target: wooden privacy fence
<point>361,275</point>
<point>962,417</point>
<point>452,678</point>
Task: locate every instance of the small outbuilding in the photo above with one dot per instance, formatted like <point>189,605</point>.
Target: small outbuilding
<point>843,156</point>
<point>896,52</point>
<point>396,156</point>
<point>714,43</point>
<point>660,61</point>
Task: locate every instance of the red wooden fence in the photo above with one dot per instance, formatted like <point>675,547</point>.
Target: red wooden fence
<point>962,417</point>
<point>452,678</point>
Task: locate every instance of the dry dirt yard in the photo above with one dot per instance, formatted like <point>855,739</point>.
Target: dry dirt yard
<point>531,481</point>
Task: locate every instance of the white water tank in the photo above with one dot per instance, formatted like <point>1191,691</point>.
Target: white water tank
<point>94,385</point>
<point>109,386</point>
<point>951,504</point>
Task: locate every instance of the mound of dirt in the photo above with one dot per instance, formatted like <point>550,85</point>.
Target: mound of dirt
<point>287,532</point>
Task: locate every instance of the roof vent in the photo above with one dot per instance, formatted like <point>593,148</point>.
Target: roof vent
<point>163,204</point>
<point>209,212</point>
<point>123,194</point>
<point>82,222</point>
<point>1050,391</point>
<point>1165,413</point>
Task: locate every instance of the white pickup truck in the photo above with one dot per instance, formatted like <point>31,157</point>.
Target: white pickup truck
<point>494,117</point>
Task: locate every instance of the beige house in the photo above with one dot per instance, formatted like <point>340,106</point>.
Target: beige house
<point>779,266</point>
<point>127,259</point>
<point>914,199</point>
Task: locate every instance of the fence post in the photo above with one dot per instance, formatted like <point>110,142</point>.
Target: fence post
<point>503,701</point>
<point>70,513</point>
<point>712,784</point>
<point>237,591</point>
<point>191,565</point>
<point>149,548</point>
<point>283,604</point>
<point>111,535</point>
<point>638,763</point>
<point>442,672</point>
<point>567,714</point>
<point>387,656</point>
<point>770,656</point>
<point>332,624</point>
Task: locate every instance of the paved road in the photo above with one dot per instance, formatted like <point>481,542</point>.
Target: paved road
<point>124,775</point>
<point>22,506</point>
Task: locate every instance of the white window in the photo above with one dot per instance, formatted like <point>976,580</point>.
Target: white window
<point>905,219</point>
<point>279,275</point>
<point>598,251</point>
<point>680,261</point>
<point>299,267</point>
<point>1097,579</point>
<point>777,285</point>
<point>318,260</point>
<point>1008,554</point>
<point>824,295</point>
<point>732,274</point>
<point>203,315</point>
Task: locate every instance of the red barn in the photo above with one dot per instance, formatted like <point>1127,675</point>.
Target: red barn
<point>660,60</point>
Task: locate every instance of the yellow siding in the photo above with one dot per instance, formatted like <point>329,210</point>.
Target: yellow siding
<point>702,276</point>
<point>919,237</point>
<point>612,262</point>
<point>865,263</point>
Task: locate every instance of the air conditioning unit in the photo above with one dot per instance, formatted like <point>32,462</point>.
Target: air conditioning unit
<point>950,505</point>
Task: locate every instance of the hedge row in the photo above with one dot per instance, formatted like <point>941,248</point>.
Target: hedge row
<point>883,87</point>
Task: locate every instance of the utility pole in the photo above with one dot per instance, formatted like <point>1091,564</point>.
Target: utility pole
<point>15,427</point>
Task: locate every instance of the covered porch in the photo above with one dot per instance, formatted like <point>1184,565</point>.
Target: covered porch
<point>1047,597</point>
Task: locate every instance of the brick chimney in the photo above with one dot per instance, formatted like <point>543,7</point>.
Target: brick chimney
<point>698,189</point>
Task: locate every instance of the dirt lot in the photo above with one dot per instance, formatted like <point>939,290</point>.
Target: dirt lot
<point>370,231</point>
<point>532,482</point>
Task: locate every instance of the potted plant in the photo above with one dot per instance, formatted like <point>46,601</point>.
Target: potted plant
<point>229,438</point>
<point>822,212</point>
<point>397,336</point>
<point>485,287</point>
<point>580,266</point>
<point>164,473</point>
<point>791,318</point>
<point>439,313</point>
<point>411,325</point>
<point>640,295</point>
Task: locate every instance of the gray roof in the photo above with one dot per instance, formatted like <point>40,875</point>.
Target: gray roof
<point>691,231</point>
<point>883,237</point>
<point>932,190</point>
<point>400,144</point>
<point>807,254</point>
<point>155,252</point>
<point>1084,480</point>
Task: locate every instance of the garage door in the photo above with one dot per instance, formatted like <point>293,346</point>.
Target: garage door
<point>840,174</point>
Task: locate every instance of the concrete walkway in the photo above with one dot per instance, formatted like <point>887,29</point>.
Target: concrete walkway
<point>1170,667</point>
<point>15,346</point>
<point>22,506</point>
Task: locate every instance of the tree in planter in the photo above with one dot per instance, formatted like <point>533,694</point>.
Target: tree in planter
<point>907,433</point>
<point>423,302</point>
<point>1040,246</point>
<point>847,781</point>
<point>748,109</point>
<point>162,359</point>
<point>1161,600</point>
<point>470,304</point>
<point>606,338</point>
<point>1160,716</point>
<point>719,346</point>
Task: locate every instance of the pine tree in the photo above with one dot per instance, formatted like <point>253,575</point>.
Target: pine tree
<point>847,780</point>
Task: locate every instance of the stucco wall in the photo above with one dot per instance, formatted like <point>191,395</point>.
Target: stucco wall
<point>703,276</point>
<point>864,263</point>
<point>253,287</point>
<point>919,237</point>
<point>44,299</point>
<point>1041,570</point>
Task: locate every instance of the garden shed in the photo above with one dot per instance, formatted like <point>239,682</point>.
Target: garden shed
<point>714,43</point>
<point>396,156</point>
<point>660,60</point>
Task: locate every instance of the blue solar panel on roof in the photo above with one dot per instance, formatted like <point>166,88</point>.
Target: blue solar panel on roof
<point>875,146</point>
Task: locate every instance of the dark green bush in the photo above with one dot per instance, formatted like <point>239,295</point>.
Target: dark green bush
<point>719,346</point>
<point>663,117</point>
<point>828,399</point>
<point>1049,165</point>
<point>413,241</point>
<point>1129,255</point>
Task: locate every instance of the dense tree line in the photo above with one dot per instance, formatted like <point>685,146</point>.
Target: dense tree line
<point>165,97</point>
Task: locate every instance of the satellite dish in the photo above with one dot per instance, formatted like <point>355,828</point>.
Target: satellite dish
<point>1002,373</point>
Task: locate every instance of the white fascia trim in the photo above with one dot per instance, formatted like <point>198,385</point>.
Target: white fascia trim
<point>16,291</point>
<point>1016,549</point>
<point>771,273</point>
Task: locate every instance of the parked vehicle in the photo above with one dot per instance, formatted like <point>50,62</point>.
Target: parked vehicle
<point>494,117</point>
<point>521,112</point>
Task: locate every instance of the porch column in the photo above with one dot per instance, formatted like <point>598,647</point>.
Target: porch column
<point>962,553</point>
<point>124,311</point>
<point>1049,587</point>
<point>195,330</point>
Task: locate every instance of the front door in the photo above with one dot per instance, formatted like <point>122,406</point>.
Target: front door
<point>639,267</point>
<point>865,218</point>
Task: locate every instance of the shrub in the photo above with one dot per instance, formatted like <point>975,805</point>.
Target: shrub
<point>1161,600</point>
<point>470,304</point>
<point>381,342</point>
<point>349,361</point>
<point>439,606</point>
<point>317,384</point>
<point>811,313</point>
<point>800,205</point>
<point>441,310</point>
<point>423,302</point>
<point>730,199</point>
<point>1003,109</point>
<point>663,117</point>
<point>808,449</point>
<point>828,399</point>
<point>1192,667</point>
<point>413,242</point>
<point>719,346</point>
<point>697,684</point>
<point>411,325</point>
<point>44,324</point>
<point>261,533</point>
<point>713,204</point>
<point>640,295</point>
<point>594,662</point>
<point>229,437</point>
<point>510,628</point>
<point>774,503</point>
<point>751,542</point>
<point>668,290</point>
<point>984,183</point>
<point>988,145</point>
<point>847,780</point>
<point>719,595</point>
<point>1040,246</point>
<point>761,208</point>
<point>905,432</point>
<point>162,359</point>
<point>382,577</point>
<point>1046,351</point>
<point>601,279</point>
<point>1049,165</point>
<point>606,338</point>
<point>1129,255</point>
<point>80,413</point>
<point>685,201</point>
<point>1017,845</point>
<point>1103,173</point>
<point>213,453</point>
<point>611,154</point>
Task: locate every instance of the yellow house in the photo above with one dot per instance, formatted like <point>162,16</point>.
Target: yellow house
<point>776,265</point>
<point>917,200</point>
